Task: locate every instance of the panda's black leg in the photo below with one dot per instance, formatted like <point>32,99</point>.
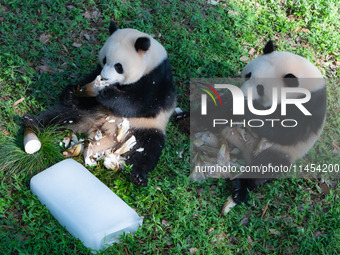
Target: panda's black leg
<point>30,121</point>
<point>146,153</point>
<point>241,188</point>
<point>57,115</point>
<point>249,181</point>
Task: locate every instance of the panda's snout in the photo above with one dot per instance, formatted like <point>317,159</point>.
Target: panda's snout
<point>106,73</point>
<point>110,75</point>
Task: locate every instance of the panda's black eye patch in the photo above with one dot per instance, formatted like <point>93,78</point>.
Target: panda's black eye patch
<point>104,61</point>
<point>119,68</point>
<point>260,90</point>
<point>290,80</point>
<point>248,75</point>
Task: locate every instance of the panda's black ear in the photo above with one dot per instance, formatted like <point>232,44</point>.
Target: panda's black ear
<point>290,80</point>
<point>113,27</point>
<point>142,43</point>
<point>269,48</point>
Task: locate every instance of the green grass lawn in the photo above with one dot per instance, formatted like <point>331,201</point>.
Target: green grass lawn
<point>45,45</point>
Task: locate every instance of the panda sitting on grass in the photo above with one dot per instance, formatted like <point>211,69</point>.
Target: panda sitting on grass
<point>133,86</point>
<point>272,144</point>
<point>277,145</point>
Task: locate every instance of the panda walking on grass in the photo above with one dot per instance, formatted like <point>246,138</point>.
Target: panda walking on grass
<point>132,86</point>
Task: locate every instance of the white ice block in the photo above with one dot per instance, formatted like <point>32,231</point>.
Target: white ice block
<point>88,209</point>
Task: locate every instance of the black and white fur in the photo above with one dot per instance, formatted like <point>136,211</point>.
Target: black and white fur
<point>289,144</point>
<point>139,87</point>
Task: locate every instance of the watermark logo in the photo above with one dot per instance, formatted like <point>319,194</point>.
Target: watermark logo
<point>239,100</point>
<point>204,97</point>
<point>237,127</point>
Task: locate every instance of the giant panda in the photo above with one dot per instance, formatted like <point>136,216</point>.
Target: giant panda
<point>137,86</point>
<point>277,145</point>
<point>268,144</point>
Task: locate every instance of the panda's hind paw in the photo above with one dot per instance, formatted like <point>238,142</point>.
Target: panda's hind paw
<point>30,121</point>
<point>139,179</point>
<point>240,192</point>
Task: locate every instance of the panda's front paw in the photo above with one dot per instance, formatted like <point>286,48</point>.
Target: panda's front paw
<point>240,191</point>
<point>30,121</point>
<point>181,116</point>
<point>139,179</point>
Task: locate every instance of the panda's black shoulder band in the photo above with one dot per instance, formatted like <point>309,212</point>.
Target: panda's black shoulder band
<point>269,48</point>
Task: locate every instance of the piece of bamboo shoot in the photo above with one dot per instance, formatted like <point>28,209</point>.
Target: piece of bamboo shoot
<point>31,142</point>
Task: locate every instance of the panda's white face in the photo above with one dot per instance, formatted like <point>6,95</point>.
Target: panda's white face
<point>128,55</point>
<point>278,70</point>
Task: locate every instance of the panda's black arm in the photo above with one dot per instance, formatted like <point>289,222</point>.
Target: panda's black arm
<point>136,101</point>
<point>121,103</point>
<point>148,149</point>
<point>306,125</point>
<point>66,97</point>
<point>272,127</point>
